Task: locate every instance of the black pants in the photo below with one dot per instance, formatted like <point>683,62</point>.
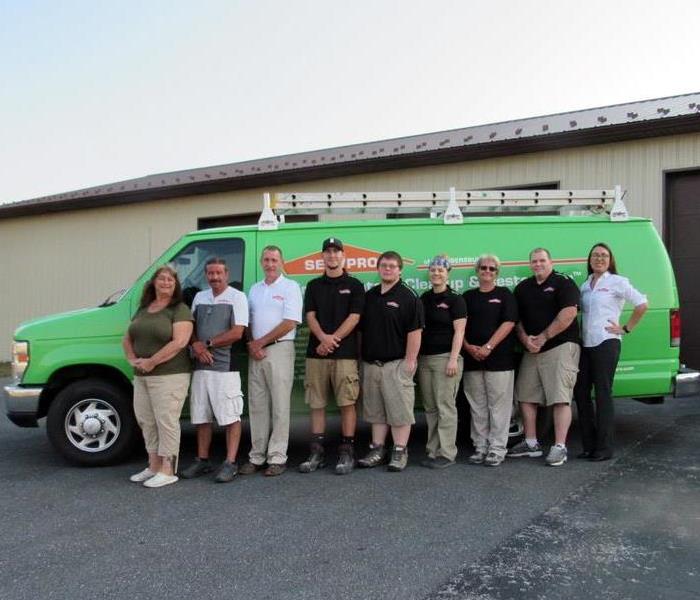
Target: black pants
<point>596,371</point>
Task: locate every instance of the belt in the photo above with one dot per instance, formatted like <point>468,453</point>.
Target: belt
<point>276,342</point>
<point>380,363</point>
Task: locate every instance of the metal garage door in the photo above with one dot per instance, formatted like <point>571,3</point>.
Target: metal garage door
<point>683,243</point>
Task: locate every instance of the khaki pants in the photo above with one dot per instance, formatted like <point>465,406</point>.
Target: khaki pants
<point>439,392</point>
<point>490,397</point>
<point>158,402</point>
<point>270,383</point>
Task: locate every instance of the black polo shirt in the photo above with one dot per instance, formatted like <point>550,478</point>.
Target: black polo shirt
<point>441,310</point>
<point>540,303</point>
<point>387,320</point>
<point>486,312</point>
<point>333,299</point>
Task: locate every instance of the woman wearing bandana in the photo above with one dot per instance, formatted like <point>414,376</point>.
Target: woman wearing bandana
<point>440,364</point>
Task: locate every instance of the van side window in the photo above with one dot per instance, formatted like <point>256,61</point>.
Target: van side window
<point>190,264</point>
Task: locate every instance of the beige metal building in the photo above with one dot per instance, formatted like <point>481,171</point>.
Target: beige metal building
<point>72,250</point>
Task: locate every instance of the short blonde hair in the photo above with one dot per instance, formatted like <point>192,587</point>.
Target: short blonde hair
<point>484,257</point>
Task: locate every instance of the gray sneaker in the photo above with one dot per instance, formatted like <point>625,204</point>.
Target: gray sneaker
<point>227,471</point>
<point>346,459</point>
<point>200,466</point>
<point>375,457</point>
<point>315,460</point>
<point>522,449</point>
<point>399,459</point>
<point>556,456</point>
<point>477,458</point>
<point>493,460</point>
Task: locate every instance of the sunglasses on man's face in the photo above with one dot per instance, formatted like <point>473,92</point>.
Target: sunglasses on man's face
<point>488,268</point>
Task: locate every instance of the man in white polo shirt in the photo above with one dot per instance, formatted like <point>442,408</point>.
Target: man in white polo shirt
<point>275,311</point>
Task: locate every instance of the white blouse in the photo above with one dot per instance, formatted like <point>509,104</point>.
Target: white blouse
<point>603,304</point>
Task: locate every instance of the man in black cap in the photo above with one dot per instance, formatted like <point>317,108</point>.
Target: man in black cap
<point>333,304</point>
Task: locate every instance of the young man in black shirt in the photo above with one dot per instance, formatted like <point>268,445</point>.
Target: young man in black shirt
<point>548,305</point>
<point>391,334</point>
<point>333,304</point>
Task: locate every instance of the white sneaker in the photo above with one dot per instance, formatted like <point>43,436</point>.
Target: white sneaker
<point>159,480</point>
<point>142,476</point>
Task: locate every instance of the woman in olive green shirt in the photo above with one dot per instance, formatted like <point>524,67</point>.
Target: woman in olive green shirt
<point>156,346</point>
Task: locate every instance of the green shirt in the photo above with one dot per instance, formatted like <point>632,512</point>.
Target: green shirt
<point>149,332</point>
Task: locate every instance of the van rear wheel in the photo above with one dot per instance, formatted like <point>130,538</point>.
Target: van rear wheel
<point>91,423</point>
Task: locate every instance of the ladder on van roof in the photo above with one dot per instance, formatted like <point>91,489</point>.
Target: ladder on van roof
<point>450,205</point>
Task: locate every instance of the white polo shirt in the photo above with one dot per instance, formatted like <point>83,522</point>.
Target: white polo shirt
<point>603,304</point>
<point>273,303</point>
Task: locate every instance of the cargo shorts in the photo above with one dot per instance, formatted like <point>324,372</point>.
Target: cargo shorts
<point>548,378</point>
<point>388,393</point>
<point>323,374</point>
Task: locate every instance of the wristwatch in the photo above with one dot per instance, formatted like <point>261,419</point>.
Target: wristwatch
<point>489,347</point>
<point>208,344</point>
<point>625,329</point>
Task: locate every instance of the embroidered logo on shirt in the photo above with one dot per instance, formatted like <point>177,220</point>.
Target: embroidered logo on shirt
<point>344,291</point>
<point>280,298</point>
<point>442,305</point>
<point>548,289</point>
<point>392,304</point>
<point>495,300</point>
<point>603,290</point>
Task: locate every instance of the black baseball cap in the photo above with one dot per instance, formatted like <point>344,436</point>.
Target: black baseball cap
<point>332,243</point>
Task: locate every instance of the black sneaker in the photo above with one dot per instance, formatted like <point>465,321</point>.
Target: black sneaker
<point>375,457</point>
<point>227,471</point>
<point>200,466</point>
<point>441,462</point>
<point>315,460</point>
<point>346,459</point>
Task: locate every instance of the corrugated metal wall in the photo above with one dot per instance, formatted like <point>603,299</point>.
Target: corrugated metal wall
<point>69,260</point>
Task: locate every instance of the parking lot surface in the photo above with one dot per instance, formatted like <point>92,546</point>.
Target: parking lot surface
<point>627,528</point>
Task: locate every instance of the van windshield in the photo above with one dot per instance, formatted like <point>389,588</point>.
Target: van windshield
<point>191,261</point>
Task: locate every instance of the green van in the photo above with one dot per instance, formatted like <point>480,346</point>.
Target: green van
<point>70,367</point>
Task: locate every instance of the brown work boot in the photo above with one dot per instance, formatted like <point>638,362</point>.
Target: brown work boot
<point>249,468</point>
<point>274,470</point>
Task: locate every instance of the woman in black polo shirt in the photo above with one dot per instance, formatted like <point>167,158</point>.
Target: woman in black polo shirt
<point>440,364</point>
<point>489,362</point>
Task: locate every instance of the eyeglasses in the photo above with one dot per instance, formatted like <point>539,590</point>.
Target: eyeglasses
<point>488,268</point>
<point>600,255</point>
<point>389,267</point>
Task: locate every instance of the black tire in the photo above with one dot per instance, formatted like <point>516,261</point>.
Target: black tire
<point>91,423</point>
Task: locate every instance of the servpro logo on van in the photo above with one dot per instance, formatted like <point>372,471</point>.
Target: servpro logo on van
<point>357,260</point>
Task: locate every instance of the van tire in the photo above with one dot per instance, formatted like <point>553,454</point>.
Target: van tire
<point>91,423</point>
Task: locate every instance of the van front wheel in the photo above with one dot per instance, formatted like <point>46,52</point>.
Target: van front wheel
<point>91,423</point>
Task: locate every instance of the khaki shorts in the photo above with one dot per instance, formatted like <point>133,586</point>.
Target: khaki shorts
<point>388,394</point>
<point>322,374</point>
<point>549,377</point>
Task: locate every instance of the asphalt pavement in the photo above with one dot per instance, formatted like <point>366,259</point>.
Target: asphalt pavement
<point>627,528</point>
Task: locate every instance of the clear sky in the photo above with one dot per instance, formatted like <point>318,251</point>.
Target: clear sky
<point>95,91</point>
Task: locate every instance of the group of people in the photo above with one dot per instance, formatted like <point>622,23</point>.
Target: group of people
<point>375,342</point>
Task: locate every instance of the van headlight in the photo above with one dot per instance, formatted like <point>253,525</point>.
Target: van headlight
<point>20,358</point>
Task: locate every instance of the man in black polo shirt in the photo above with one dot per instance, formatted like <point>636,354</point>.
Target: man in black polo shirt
<point>391,334</point>
<point>333,305</point>
<point>548,329</point>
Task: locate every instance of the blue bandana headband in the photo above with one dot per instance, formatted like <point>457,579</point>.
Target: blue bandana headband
<point>440,261</point>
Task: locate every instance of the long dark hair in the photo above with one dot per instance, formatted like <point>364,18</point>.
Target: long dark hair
<point>149,290</point>
<point>612,267</point>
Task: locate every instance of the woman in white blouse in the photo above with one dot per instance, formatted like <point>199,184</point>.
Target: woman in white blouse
<point>603,295</point>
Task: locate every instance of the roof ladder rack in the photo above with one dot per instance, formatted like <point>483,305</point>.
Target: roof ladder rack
<point>451,205</point>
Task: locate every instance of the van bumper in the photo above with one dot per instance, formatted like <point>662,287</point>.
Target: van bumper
<point>686,383</point>
<point>22,404</point>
